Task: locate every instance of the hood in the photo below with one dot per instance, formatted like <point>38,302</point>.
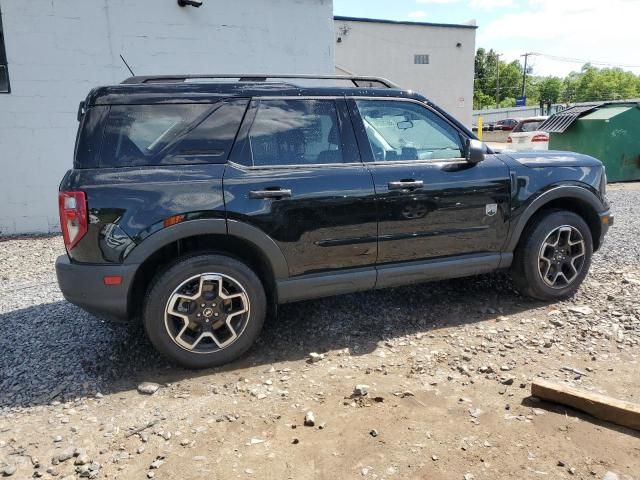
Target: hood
<point>550,158</point>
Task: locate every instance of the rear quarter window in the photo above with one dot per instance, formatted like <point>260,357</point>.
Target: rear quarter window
<point>144,135</point>
<point>89,137</point>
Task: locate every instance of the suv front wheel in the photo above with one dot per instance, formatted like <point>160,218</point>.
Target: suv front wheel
<point>205,310</point>
<point>553,257</point>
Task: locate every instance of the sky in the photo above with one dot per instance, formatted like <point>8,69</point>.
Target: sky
<point>576,30</point>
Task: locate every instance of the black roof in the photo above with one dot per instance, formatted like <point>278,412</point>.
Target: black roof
<point>403,22</point>
<point>173,89</point>
<point>290,78</point>
<point>198,92</point>
<point>204,88</point>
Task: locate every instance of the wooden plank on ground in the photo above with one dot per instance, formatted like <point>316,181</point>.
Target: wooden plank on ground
<point>612,410</point>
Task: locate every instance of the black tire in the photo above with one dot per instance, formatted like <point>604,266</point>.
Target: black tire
<point>526,268</point>
<point>167,281</point>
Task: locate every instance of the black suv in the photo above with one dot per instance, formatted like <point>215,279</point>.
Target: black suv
<point>198,202</point>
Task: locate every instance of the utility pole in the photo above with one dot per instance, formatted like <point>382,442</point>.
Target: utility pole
<point>524,73</point>
<point>498,55</point>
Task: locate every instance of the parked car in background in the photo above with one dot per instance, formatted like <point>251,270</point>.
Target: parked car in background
<point>527,135</point>
<point>507,124</point>
<point>485,127</point>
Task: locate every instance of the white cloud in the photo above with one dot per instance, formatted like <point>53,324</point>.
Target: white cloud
<point>582,29</point>
<point>490,4</point>
<point>437,2</point>
<point>417,14</point>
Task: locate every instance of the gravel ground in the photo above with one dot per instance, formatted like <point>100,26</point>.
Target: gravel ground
<point>53,349</point>
<point>55,356</point>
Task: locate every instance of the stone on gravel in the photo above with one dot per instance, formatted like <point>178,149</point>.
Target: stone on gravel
<point>361,390</point>
<point>82,459</point>
<point>309,419</point>
<point>148,388</point>
<point>9,470</point>
<point>581,309</point>
<point>610,476</point>
<point>315,357</point>
<point>66,454</point>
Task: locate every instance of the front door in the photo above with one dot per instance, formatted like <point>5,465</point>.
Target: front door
<point>431,203</point>
<point>296,174</point>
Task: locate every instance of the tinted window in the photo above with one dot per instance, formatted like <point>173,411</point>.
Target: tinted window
<point>214,136</point>
<point>528,126</point>
<point>4,69</point>
<point>295,132</point>
<point>170,134</point>
<point>89,138</point>
<point>407,131</point>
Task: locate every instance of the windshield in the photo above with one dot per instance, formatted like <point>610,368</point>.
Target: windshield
<point>528,126</point>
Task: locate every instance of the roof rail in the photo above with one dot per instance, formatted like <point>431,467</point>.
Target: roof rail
<point>358,81</point>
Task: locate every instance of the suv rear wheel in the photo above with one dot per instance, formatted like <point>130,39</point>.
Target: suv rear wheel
<point>553,257</point>
<point>205,310</point>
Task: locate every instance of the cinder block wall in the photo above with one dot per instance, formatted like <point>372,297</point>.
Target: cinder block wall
<point>57,50</point>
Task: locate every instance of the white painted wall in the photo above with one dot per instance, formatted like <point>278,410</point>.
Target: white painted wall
<point>387,50</point>
<point>59,49</point>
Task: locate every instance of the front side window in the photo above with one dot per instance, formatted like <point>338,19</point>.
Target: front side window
<point>295,132</point>
<point>138,135</point>
<point>4,68</point>
<point>408,131</point>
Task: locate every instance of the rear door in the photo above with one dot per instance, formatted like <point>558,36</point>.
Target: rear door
<point>295,173</point>
<point>431,202</point>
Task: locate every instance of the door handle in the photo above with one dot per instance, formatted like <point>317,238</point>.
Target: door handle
<point>271,193</point>
<point>405,185</point>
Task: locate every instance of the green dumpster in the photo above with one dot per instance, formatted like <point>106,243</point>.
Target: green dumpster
<point>609,132</point>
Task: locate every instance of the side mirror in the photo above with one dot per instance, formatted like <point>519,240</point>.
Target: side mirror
<point>475,151</point>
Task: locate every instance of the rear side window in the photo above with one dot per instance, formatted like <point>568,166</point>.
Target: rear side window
<point>139,135</point>
<point>295,132</point>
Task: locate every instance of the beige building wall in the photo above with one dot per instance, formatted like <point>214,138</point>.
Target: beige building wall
<point>389,49</point>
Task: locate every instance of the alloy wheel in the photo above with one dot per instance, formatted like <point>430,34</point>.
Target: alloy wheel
<point>207,312</point>
<point>561,257</point>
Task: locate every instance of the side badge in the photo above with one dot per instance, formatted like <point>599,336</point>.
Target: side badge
<point>492,209</point>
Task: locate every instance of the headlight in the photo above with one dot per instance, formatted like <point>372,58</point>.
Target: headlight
<point>603,183</point>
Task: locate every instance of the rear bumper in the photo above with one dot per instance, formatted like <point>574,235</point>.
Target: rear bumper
<point>83,285</point>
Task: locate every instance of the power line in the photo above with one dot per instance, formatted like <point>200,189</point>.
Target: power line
<point>578,60</point>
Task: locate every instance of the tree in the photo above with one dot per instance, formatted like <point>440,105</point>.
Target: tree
<point>487,90</point>
<point>549,89</point>
<point>587,85</point>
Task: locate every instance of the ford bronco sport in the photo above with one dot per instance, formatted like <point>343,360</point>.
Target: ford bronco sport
<point>198,202</point>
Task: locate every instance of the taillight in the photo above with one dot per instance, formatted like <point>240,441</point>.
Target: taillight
<point>509,140</point>
<point>73,217</point>
<point>540,138</point>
